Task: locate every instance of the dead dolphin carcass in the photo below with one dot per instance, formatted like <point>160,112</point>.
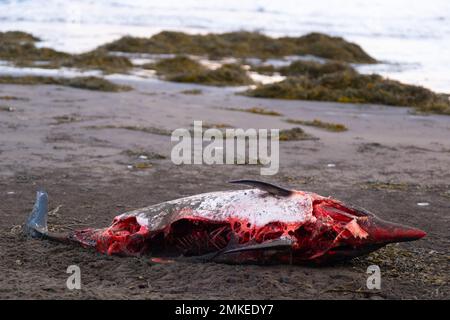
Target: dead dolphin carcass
<point>267,224</point>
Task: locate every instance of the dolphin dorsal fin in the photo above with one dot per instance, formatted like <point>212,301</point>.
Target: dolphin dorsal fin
<point>268,187</point>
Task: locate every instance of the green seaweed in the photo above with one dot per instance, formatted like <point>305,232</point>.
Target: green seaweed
<point>226,75</point>
<point>294,134</point>
<point>329,126</point>
<point>176,66</point>
<point>20,49</point>
<point>257,110</point>
<point>13,98</point>
<point>17,37</point>
<point>380,185</point>
<point>184,69</point>
<point>98,59</point>
<point>266,69</point>
<point>27,54</point>
<point>151,130</point>
<point>243,44</point>
<point>209,125</point>
<point>313,69</point>
<point>325,46</point>
<point>142,165</point>
<point>192,92</point>
<point>88,83</point>
<point>303,68</point>
<point>66,119</point>
<point>94,83</point>
<point>352,87</point>
<point>409,265</point>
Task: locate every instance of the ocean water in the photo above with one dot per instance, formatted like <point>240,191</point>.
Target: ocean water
<point>410,37</point>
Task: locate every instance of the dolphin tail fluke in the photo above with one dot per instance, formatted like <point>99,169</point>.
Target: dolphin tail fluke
<point>36,225</point>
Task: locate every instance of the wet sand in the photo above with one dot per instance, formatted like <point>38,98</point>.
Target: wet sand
<point>69,141</point>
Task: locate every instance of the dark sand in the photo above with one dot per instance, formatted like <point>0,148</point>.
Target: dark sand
<point>388,161</point>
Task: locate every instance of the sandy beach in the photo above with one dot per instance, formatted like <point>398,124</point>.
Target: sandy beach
<point>75,144</point>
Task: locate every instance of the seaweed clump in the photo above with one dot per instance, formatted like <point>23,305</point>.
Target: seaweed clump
<point>184,69</point>
<point>12,98</point>
<point>192,91</point>
<point>88,83</point>
<point>150,130</point>
<point>406,265</point>
<point>313,69</point>
<point>266,69</point>
<point>329,126</point>
<point>380,185</point>
<point>98,59</point>
<point>303,68</point>
<point>65,119</point>
<point>20,48</point>
<point>352,87</point>
<point>17,37</point>
<point>94,83</point>
<point>226,75</point>
<point>243,44</point>
<point>257,110</point>
<point>325,46</point>
<point>175,66</point>
<point>294,134</point>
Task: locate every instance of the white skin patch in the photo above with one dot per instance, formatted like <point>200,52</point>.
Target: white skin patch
<point>254,206</point>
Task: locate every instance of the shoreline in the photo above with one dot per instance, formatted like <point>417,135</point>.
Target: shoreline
<point>315,66</point>
<point>400,66</point>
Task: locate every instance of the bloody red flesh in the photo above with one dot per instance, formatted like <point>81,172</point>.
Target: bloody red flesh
<point>335,232</point>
